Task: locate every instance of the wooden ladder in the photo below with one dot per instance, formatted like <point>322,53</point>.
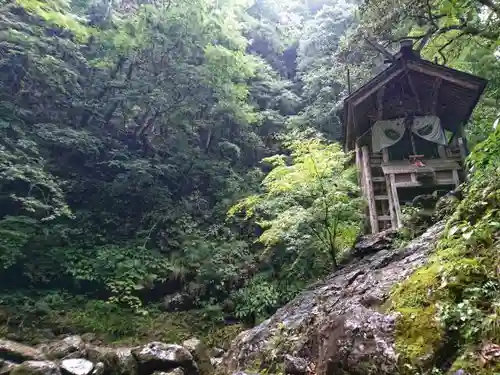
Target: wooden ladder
<point>377,189</point>
<point>380,192</point>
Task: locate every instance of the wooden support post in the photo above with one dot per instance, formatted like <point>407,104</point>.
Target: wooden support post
<point>461,142</point>
<point>367,178</point>
<point>380,103</point>
<point>359,167</point>
<point>463,151</point>
<point>414,91</point>
<point>395,197</point>
<point>442,152</point>
<point>456,179</point>
<point>435,94</point>
<point>392,211</point>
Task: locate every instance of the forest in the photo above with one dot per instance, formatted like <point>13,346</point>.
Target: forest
<point>176,167</point>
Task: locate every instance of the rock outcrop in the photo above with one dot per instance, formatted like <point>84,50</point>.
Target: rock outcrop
<point>15,352</point>
<point>65,348</point>
<point>340,325</point>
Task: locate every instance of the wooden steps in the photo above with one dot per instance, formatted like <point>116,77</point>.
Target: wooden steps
<point>381,195</point>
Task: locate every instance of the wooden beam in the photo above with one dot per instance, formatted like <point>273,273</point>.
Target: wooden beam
<point>378,86</point>
<point>392,211</point>
<point>415,92</point>
<point>435,94</point>
<point>370,196</point>
<point>446,76</point>
<point>456,179</point>
<point>463,151</point>
<point>442,152</point>
<point>348,129</point>
<point>380,103</point>
<point>395,198</point>
<point>360,168</point>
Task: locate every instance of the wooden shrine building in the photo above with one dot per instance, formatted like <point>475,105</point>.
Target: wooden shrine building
<point>406,126</point>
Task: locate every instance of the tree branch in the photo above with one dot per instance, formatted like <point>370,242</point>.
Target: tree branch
<point>446,45</point>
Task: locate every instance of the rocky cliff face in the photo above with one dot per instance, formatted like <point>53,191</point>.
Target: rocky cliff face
<point>341,325</point>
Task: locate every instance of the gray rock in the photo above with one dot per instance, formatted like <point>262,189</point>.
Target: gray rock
<point>337,323</point>
<point>69,347</point>
<point>361,340</point>
<point>36,368</point>
<point>216,352</point>
<point>15,352</point>
<point>120,360</point>
<point>373,243</point>
<point>99,369</point>
<point>215,361</point>
<point>175,371</point>
<point>201,355</point>
<point>158,356</point>
<point>295,365</point>
<point>76,366</point>
<point>6,367</point>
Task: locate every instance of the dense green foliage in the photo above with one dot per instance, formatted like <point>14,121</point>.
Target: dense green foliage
<point>128,131</point>
<point>310,204</point>
<point>150,150</point>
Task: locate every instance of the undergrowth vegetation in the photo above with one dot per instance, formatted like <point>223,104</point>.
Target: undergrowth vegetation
<point>450,308</point>
<point>37,317</point>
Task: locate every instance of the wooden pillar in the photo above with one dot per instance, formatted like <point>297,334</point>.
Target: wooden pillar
<point>394,221</point>
<point>456,179</point>
<point>462,142</point>
<point>395,198</point>
<point>442,152</point>
<point>367,178</point>
<point>463,151</point>
<point>359,167</point>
